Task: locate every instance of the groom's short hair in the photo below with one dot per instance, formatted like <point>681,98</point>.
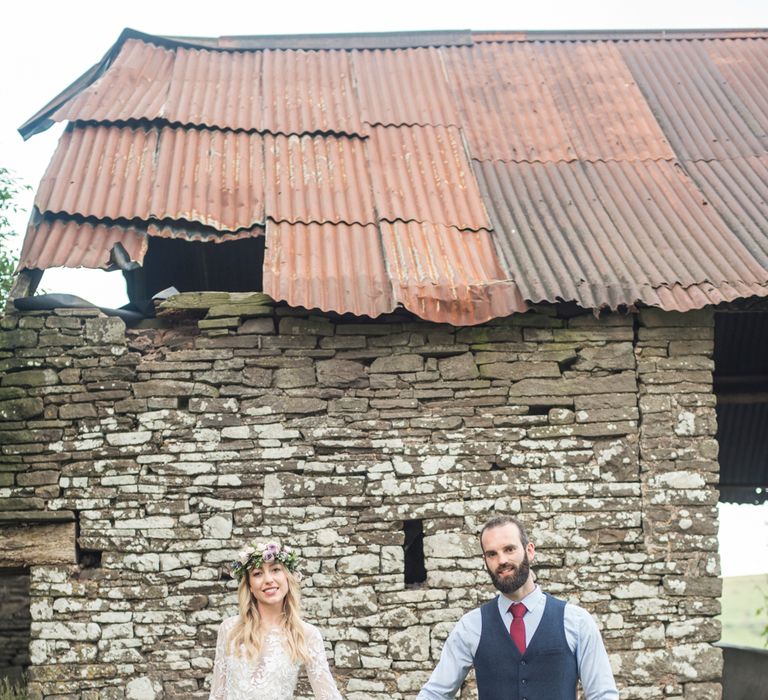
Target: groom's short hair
<point>499,521</point>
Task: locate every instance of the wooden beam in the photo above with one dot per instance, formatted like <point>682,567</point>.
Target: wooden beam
<point>32,544</point>
<point>24,286</point>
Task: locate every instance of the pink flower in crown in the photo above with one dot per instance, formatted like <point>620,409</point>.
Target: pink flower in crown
<point>243,557</point>
<point>287,549</point>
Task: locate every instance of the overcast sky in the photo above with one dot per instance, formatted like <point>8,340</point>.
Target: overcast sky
<point>44,46</point>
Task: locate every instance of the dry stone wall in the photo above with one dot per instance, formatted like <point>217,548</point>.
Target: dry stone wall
<point>227,419</point>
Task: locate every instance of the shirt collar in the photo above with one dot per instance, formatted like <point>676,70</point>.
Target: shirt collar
<point>531,601</point>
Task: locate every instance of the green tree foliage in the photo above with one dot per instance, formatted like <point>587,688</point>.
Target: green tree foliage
<point>9,190</point>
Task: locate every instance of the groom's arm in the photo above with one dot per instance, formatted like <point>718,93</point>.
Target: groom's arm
<point>455,660</point>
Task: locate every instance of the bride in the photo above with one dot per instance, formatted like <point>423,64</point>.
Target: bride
<point>259,652</point>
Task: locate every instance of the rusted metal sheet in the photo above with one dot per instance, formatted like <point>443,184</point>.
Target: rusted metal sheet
<point>604,112</point>
<point>605,234</point>
<point>448,276</point>
<point>332,267</point>
<point>68,243</point>
<point>358,162</point>
<point>318,179</point>
<point>421,173</point>
<point>508,110</point>
<point>738,190</point>
<point>404,87</point>
<point>286,92</point>
<point>549,101</point>
<point>215,89</point>
<point>745,67</point>
<point>135,86</point>
<point>215,178</point>
<point>702,115</point>
<point>308,92</point>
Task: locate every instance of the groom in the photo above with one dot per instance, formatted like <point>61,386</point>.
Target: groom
<point>524,644</point>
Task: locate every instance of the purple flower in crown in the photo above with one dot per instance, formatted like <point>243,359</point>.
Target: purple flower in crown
<point>268,555</point>
<point>273,547</point>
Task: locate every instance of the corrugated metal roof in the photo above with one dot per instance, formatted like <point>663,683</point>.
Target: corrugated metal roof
<point>551,101</point>
<point>318,179</point>
<point>507,110</point>
<point>616,169</point>
<point>446,275</point>
<point>738,189</point>
<point>603,233</point>
<point>64,241</point>
<point>332,267</point>
<point>75,243</point>
<point>212,177</point>
<point>697,107</point>
<point>408,87</point>
<point>134,87</point>
<point>421,173</point>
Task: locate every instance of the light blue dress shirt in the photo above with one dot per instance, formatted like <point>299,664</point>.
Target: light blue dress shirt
<point>581,634</point>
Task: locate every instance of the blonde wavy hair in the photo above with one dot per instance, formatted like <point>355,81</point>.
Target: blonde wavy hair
<point>249,631</point>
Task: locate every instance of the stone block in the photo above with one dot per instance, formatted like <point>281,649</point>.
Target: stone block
<point>411,644</point>
<point>105,331</point>
<point>18,338</point>
<point>37,544</point>
<point>306,326</point>
<point>258,326</point>
<point>20,409</point>
<point>458,367</point>
<point>451,545</point>
<point>294,377</point>
<point>31,377</point>
<point>519,370</point>
<point>395,364</point>
<point>340,373</point>
<point>73,411</point>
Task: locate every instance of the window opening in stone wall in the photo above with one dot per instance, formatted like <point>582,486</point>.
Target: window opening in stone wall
<point>741,387</point>
<point>15,622</point>
<point>415,571</point>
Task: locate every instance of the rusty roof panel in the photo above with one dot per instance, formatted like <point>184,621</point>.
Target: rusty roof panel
<point>68,243</point>
<point>421,173</point>
<point>63,241</point>
<point>508,110</point>
<point>448,276</point>
<point>738,189</point>
<point>745,67</point>
<point>216,89</point>
<point>135,86</point>
<point>604,112</point>
<point>608,233</point>
<point>318,179</point>
<point>553,101</point>
<point>404,88</point>
<point>332,267</point>
<point>701,114</point>
<point>309,92</point>
<point>215,178</point>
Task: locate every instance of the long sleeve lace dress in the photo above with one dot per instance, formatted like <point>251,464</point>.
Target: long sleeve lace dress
<point>273,676</point>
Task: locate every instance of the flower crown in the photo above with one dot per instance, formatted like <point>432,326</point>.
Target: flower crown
<point>255,555</point>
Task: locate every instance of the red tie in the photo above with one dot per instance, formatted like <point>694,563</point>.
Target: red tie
<point>517,628</point>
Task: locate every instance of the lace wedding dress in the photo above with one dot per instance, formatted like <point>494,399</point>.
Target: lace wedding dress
<point>274,675</point>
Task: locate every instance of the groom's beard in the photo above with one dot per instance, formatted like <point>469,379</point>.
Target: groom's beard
<point>507,582</point>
